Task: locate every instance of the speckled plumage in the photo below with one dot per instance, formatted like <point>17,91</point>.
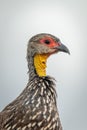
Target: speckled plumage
<point>35,108</point>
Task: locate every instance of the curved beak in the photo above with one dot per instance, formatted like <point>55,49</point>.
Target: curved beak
<point>63,48</point>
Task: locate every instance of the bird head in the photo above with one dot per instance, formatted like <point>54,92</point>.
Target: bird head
<point>41,46</point>
<point>46,44</point>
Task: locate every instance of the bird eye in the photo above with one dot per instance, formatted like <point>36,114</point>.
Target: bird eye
<point>46,41</point>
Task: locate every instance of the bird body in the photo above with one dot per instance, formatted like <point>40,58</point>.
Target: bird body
<point>35,108</point>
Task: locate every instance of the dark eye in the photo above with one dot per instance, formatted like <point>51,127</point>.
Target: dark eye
<point>47,41</point>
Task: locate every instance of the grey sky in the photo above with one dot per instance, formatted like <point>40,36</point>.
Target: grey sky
<point>66,19</point>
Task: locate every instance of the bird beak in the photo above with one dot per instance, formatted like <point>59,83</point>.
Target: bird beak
<point>63,48</point>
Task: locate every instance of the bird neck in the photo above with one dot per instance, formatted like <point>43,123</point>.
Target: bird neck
<point>37,65</point>
<point>40,64</point>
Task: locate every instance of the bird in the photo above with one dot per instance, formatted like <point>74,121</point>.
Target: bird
<point>36,106</point>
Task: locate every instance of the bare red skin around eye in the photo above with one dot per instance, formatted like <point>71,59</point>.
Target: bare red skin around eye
<point>52,42</point>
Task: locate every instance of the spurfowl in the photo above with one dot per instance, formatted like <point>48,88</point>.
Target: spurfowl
<point>35,108</point>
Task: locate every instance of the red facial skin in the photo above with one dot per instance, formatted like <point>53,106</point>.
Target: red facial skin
<point>52,43</point>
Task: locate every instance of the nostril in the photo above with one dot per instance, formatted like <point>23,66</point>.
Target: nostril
<point>59,43</point>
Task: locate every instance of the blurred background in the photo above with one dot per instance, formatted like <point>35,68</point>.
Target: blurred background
<point>66,19</point>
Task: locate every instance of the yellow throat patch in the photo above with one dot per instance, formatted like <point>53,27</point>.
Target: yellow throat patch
<point>40,64</point>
